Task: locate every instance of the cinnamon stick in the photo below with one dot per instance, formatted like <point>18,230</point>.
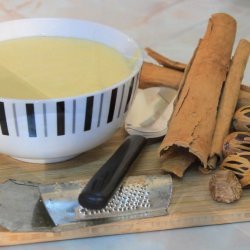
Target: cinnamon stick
<point>193,120</point>
<point>228,101</point>
<point>164,61</point>
<point>178,161</point>
<point>158,76</point>
<point>153,75</point>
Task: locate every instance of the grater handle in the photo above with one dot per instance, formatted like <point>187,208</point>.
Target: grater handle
<point>102,185</point>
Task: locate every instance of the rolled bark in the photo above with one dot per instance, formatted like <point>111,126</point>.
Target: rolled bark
<point>157,76</point>
<point>153,75</point>
<point>233,91</point>
<point>164,61</point>
<point>228,102</point>
<point>193,120</point>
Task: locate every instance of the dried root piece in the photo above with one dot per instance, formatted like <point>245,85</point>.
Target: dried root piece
<point>225,187</point>
<point>241,120</point>
<point>239,164</point>
<point>236,142</point>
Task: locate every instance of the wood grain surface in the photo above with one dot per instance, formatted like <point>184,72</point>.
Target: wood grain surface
<point>191,204</point>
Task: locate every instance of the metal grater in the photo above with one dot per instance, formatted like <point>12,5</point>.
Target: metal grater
<point>136,197</point>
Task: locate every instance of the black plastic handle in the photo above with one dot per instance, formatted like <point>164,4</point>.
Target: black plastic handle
<point>102,185</point>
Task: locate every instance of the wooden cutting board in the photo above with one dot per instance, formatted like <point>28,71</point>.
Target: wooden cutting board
<point>190,206</point>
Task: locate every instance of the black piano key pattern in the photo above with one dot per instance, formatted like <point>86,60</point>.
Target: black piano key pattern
<point>3,122</point>
<point>112,105</point>
<point>88,113</point>
<point>30,112</point>
<point>60,111</point>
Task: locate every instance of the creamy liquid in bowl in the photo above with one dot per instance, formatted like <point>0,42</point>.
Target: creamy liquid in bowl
<point>54,67</point>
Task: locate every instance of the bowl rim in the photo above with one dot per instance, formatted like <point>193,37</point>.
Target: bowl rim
<point>134,72</point>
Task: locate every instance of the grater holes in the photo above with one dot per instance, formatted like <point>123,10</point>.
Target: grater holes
<point>126,198</point>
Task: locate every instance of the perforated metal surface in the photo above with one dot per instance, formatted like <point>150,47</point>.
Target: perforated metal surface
<point>126,199</point>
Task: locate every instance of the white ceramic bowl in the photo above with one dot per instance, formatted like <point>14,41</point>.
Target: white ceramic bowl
<point>53,130</point>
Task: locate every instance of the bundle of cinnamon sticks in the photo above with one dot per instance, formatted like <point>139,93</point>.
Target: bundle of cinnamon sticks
<point>209,89</point>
